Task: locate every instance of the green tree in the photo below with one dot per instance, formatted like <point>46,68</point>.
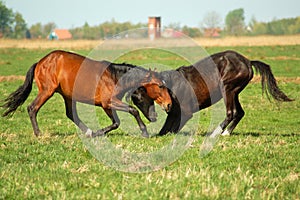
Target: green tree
<point>211,20</point>
<point>294,28</point>
<point>20,26</point>
<point>39,30</point>
<point>234,21</point>
<point>47,28</point>
<point>6,20</point>
<point>89,32</point>
<point>282,26</point>
<point>258,28</point>
<point>36,30</point>
<point>192,32</point>
<point>276,27</point>
<point>105,30</point>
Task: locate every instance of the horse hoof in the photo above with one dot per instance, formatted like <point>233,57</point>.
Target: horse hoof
<point>145,135</point>
<point>37,133</point>
<point>225,133</point>
<point>89,133</point>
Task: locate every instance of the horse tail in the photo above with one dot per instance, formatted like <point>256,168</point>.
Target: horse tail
<point>18,97</point>
<point>267,75</point>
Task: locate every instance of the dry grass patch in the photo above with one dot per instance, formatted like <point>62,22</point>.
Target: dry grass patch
<point>11,78</point>
<point>48,44</point>
<point>265,40</point>
<point>257,79</point>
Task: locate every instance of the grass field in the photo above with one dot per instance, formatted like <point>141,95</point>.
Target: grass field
<point>259,161</point>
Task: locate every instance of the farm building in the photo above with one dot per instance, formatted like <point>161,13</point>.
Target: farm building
<point>171,33</point>
<point>212,32</point>
<point>154,26</point>
<point>60,34</point>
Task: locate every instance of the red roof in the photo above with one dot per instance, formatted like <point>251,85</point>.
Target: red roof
<point>62,34</point>
<point>212,32</point>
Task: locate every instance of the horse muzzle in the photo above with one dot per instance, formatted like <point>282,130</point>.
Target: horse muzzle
<point>152,119</point>
<point>167,107</point>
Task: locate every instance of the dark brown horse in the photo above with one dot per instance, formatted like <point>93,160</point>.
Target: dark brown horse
<point>80,79</point>
<point>221,75</point>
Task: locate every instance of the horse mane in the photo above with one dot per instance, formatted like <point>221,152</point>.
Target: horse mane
<point>184,68</point>
<point>122,65</point>
<point>127,75</point>
<point>119,69</point>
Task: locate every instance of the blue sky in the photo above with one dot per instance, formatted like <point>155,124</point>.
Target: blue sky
<point>74,13</point>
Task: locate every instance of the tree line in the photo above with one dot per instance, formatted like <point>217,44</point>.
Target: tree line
<point>276,27</point>
<point>13,25</point>
<point>104,30</point>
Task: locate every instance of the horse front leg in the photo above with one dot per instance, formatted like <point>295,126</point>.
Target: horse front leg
<point>119,105</point>
<point>115,123</point>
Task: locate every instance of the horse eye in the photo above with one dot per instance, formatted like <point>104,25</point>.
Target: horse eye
<point>163,84</point>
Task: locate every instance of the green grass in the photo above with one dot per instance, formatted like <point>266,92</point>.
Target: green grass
<point>259,161</point>
<point>283,59</point>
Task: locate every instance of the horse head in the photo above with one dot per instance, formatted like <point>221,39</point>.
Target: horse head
<point>157,90</point>
<point>140,98</point>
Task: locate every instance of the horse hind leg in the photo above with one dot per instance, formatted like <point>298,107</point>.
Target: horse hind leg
<point>236,109</point>
<point>71,113</point>
<point>230,109</point>
<point>34,107</point>
<point>237,116</point>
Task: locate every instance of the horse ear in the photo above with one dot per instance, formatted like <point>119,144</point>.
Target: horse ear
<point>150,74</point>
<point>153,70</point>
<point>148,77</point>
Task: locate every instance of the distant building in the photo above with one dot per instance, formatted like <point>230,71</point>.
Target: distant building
<point>154,26</point>
<point>212,32</point>
<point>60,34</point>
<point>171,33</point>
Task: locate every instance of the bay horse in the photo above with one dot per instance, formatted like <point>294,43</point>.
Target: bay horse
<point>221,75</point>
<point>80,79</point>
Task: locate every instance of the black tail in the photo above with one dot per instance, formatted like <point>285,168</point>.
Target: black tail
<point>266,75</point>
<point>18,97</point>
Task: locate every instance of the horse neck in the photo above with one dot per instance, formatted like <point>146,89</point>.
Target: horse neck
<point>128,76</point>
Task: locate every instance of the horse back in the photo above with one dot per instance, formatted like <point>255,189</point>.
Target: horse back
<point>205,80</point>
<point>71,75</point>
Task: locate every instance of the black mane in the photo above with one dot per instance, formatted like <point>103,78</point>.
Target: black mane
<point>119,69</point>
<point>128,76</point>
